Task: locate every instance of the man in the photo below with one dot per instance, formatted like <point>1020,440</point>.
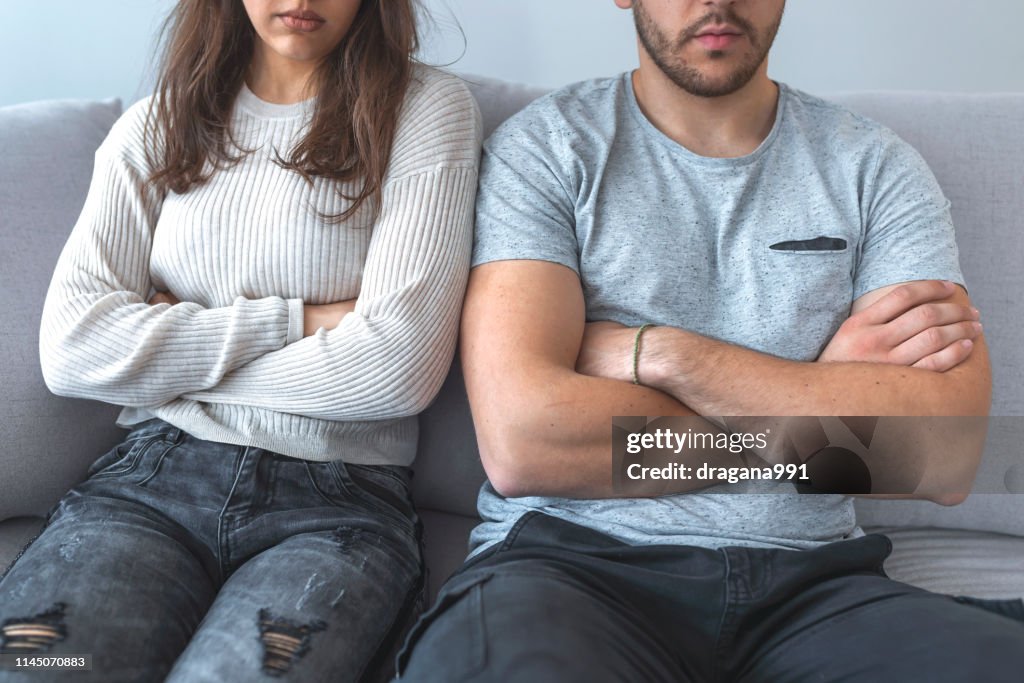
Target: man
<point>795,259</point>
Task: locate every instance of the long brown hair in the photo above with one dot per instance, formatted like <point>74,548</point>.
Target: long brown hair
<point>360,88</point>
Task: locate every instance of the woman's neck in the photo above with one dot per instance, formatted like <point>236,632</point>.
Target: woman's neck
<point>279,80</point>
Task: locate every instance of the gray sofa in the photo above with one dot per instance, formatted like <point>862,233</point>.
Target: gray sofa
<point>975,144</point>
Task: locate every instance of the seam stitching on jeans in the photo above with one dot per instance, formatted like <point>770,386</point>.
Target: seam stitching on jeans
<point>400,626</point>
<point>514,532</point>
<point>221,534</point>
<point>721,622</point>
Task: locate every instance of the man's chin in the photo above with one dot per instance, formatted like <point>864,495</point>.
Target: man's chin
<point>712,81</point>
<point>713,88</point>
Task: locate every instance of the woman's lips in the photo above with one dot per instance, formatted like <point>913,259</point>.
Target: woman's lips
<point>304,21</point>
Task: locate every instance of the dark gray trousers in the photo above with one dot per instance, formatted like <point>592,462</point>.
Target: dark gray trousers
<point>559,603</point>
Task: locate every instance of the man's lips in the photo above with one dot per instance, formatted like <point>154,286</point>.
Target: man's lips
<point>718,37</point>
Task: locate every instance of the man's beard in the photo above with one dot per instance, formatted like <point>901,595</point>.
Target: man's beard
<point>664,52</point>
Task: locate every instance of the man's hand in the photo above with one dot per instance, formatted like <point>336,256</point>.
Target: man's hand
<point>327,316</point>
<point>163,298</point>
<point>908,325</point>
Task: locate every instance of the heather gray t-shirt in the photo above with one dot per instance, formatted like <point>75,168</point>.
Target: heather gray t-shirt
<point>658,234</point>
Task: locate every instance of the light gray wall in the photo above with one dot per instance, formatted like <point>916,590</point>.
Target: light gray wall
<point>102,48</point>
<point>824,45</point>
<point>77,48</point>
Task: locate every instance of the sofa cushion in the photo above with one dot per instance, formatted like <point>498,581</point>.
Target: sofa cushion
<point>46,157</point>
<point>978,564</point>
<point>445,544</point>
<point>448,472</point>
<point>15,534</point>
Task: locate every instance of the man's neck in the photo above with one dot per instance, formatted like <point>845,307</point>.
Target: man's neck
<point>729,126</point>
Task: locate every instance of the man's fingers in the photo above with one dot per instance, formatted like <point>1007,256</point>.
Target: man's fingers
<point>933,341</point>
<point>905,297</point>
<point>948,358</point>
<point>926,316</point>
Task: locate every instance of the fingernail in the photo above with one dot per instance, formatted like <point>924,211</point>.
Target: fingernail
<point>977,327</point>
<point>967,343</point>
<point>977,313</point>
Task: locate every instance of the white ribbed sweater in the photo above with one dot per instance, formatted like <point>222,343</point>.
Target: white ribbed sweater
<point>243,253</point>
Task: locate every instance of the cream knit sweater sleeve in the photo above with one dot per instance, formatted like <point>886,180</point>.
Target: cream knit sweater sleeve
<point>99,338</point>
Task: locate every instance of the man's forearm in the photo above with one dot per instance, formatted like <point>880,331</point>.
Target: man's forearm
<point>563,446</point>
<point>715,378</point>
<point>544,429</point>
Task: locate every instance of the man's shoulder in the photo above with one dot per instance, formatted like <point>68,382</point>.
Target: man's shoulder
<point>575,111</point>
<point>843,129</point>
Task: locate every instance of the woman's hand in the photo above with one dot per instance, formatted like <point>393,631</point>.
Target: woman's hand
<point>163,298</point>
<point>326,316</point>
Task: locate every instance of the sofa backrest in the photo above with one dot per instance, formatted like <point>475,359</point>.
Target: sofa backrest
<point>448,469</point>
<point>46,157</point>
<point>975,145</point>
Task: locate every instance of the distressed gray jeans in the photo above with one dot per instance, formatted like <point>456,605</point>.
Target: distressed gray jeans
<point>187,560</point>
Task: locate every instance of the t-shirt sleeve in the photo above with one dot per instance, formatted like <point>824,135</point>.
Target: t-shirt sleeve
<point>525,208</point>
<point>908,227</point>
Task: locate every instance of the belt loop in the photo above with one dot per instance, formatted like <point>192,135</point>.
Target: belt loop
<point>175,434</point>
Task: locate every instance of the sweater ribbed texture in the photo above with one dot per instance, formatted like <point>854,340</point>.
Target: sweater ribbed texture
<point>244,253</point>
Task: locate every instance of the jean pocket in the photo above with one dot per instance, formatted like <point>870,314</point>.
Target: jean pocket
<point>461,599</point>
<point>121,459</point>
<point>382,487</point>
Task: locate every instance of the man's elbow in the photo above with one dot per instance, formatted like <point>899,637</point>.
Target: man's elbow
<point>948,499</point>
<point>508,467</point>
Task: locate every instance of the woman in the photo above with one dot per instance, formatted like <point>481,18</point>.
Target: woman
<point>298,193</point>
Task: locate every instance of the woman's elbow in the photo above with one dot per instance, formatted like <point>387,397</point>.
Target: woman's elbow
<point>406,396</point>
<point>56,379</point>
<point>56,366</point>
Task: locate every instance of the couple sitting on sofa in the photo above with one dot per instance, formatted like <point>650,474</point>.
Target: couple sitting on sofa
<point>268,275</point>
